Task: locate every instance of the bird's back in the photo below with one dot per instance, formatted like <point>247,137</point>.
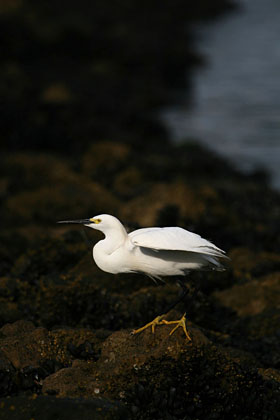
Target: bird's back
<point>173,251</point>
<point>174,238</point>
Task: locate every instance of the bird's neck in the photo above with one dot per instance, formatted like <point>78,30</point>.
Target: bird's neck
<point>112,241</point>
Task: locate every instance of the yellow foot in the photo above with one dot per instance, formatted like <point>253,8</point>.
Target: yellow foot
<point>153,324</point>
<point>180,323</point>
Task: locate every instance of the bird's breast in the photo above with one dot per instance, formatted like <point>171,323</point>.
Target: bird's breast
<point>114,262</point>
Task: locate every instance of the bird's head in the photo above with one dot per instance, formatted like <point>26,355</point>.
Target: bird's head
<point>102,222</point>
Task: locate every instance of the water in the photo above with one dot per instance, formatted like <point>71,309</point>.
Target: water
<point>237,96</point>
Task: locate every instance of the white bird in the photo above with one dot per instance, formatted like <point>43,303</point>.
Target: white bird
<point>154,251</point>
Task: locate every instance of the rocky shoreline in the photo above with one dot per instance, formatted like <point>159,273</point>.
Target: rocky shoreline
<point>66,325</point>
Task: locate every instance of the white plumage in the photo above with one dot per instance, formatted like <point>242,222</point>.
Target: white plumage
<point>174,238</point>
<point>157,252</point>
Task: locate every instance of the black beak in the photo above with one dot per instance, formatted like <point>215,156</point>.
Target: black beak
<point>81,221</point>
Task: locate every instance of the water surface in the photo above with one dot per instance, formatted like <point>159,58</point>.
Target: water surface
<point>237,95</point>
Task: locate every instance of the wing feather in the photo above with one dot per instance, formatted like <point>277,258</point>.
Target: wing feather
<point>174,238</point>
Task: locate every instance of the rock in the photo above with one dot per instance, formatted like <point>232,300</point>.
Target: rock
<point>106,156</point>
<point>17,328</point>
<point>256,330</point>
<point>254,297</point>
<point>7,371</point>
<point>24,345</point>
<point>270,374</point>
<point>248,264</point>
<point>48,204</point>
<point>121,356</point>
<point>168,372</point>
<point>147,370</point>
<point>29,354</point>
<point>51,408</point>
<point>159,196</point>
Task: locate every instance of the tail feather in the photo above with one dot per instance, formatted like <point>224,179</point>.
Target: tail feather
<point>215,264</point>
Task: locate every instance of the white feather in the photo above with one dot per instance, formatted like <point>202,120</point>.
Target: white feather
<point>174,238</point>
<point>155,251</point>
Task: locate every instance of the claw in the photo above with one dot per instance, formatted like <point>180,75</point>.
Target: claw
<point>157,321</point>
<point>180,323</point>
<point>160,321</point>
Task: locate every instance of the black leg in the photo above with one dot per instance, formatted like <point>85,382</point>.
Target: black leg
<point>181,297</point>
<point>181,322</point>
<point>159,319</point>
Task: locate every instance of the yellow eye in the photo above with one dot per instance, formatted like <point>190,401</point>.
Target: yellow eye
<point>96,221</point>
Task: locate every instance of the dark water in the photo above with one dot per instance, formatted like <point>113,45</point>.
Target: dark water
<point>237,96</point>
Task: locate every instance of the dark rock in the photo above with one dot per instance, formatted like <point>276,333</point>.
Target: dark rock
<point>51,408</point>
<point>83,351</point>
<point>161,375</point>
<point>253,297</point>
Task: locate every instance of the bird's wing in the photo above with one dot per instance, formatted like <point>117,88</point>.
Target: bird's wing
<point>174,238</point>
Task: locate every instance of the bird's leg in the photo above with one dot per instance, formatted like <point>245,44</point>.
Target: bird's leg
<point>160,321</point>
<point>181,297</point>
<point>181,322</point>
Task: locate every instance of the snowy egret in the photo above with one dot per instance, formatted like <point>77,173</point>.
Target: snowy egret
<point>154,251</point>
